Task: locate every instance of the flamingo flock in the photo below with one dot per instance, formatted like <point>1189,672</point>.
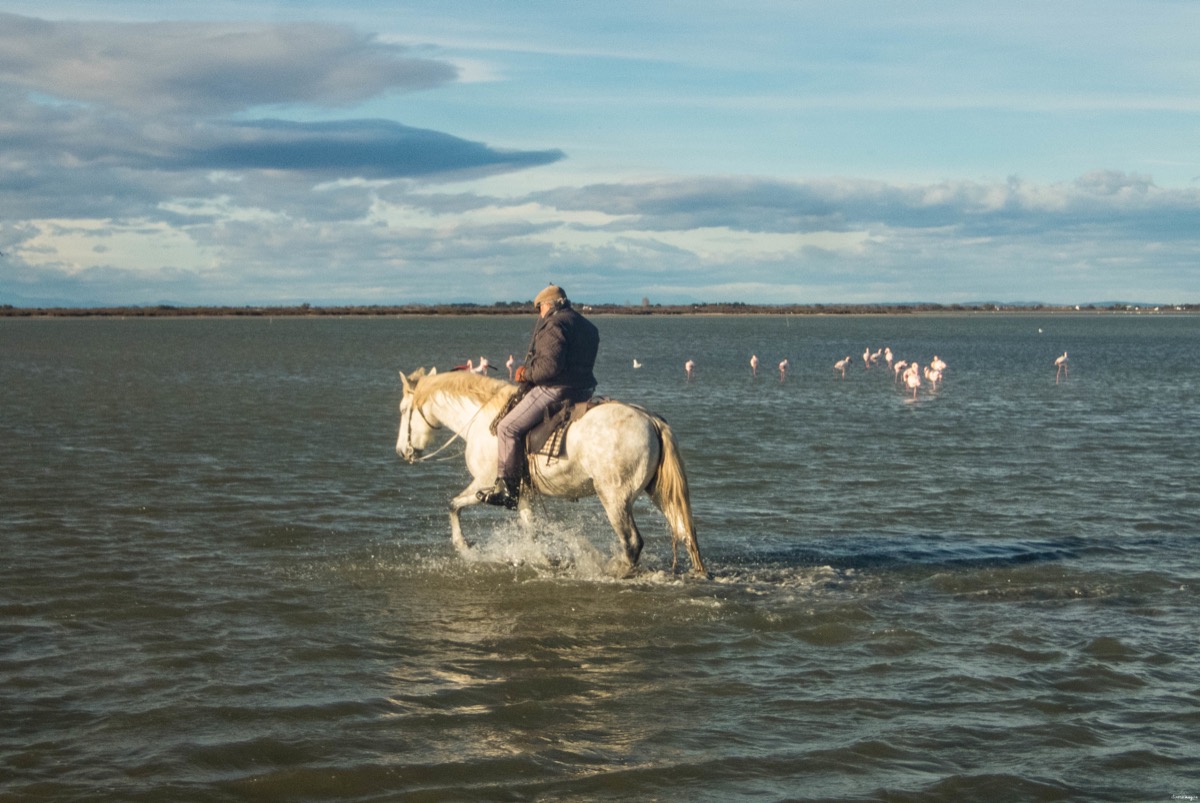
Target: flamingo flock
<point>908,375</point>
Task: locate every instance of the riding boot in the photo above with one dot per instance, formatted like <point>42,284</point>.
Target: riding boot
<point>503,494</point>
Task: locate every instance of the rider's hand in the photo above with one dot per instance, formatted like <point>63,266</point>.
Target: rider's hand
<point>520,374</point>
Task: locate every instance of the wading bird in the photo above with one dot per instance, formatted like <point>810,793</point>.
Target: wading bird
<point>912,378</point>
<point>1061,365</point>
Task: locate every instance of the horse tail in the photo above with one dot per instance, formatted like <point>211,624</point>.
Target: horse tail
<point>669,488</point>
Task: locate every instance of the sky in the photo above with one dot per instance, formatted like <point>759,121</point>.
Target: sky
<point>276,152</point>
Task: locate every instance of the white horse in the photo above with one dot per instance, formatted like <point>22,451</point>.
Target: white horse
<point>616,452</point>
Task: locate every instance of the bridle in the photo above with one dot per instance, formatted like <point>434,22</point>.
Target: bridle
<point>415,409</point>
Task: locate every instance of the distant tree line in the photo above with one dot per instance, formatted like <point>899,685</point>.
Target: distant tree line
<point>526,307</point>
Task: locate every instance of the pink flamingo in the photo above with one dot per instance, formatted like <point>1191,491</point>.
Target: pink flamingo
<point>867,357</point>
<point>783,366</point>
<point>754,365</point>
<point>887,355</point>
<point>509,365</point>
<point>912,378</point>
<point>469,365</point>
<point>484,366</point>
<point>689,366</point>
<point>934,376</point>
<point>1061,365</point>
<point>897,368</point>
<point>840,365</point>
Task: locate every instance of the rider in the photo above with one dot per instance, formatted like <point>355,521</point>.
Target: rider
<point>558,367</point>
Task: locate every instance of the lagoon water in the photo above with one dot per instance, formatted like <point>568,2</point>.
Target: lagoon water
<point>219,583</point>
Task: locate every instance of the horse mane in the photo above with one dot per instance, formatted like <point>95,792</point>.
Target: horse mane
<point>482,389</point>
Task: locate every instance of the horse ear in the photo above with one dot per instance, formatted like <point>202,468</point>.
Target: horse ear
<point>408,386</point>
<point>433,370</point>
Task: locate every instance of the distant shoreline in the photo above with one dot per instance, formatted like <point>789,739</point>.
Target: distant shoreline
<point>525,308</point>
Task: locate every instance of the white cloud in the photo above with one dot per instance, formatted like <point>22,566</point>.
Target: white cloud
<point>73,247</point>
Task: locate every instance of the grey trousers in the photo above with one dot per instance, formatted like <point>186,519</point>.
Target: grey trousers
<point>510,432</point>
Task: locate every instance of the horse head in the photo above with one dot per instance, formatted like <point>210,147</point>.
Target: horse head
<point>415,429</point>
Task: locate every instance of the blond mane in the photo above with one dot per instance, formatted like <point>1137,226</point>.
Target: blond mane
<point>482,389</point>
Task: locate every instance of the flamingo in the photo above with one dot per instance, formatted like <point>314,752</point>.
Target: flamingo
<point>484,366</point>
<point>937,364</point>
<point>840,365</point>
<point>688,367</point>
<point>875,356</point>
<point>1061,365</point>
<point>783,366</point>
<point>897,368</point>
<point>933,375</point>
<point>867,357</point>
<point>754,365</point>
<point>636,364</point>
<point>509,364</point>
<point>469,365</point>
<point>887,355</point>
<point>912,378</point>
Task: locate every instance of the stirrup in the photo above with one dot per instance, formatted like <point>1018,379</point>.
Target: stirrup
<point>502,494</point>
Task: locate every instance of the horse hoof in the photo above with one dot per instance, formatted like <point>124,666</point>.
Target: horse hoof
<point>621,568</point>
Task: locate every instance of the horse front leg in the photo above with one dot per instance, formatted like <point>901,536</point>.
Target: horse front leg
<point>465,499</point>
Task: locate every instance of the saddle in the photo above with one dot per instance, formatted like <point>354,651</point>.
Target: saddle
<point>549,438</point>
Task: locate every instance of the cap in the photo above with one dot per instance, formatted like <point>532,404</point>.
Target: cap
<point>552,293</point>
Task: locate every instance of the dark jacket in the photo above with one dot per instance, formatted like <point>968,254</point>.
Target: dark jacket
<point>563,350</point>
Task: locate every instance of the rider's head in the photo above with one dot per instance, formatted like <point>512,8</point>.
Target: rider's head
<point>550,299</point>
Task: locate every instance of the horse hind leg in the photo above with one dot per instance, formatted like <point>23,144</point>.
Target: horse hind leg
<point>620,516</point>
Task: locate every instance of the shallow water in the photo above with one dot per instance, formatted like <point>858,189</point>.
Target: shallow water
<point>219,583</point>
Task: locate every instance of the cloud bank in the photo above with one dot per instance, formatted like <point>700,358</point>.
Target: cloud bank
<point>202,163</point>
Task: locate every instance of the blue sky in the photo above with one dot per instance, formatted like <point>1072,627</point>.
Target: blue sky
<point>257,152</point>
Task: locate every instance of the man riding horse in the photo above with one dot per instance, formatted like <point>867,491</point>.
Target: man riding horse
<point>558,368</point>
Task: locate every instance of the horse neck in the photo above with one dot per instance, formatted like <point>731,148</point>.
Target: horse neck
<point>457,412</point>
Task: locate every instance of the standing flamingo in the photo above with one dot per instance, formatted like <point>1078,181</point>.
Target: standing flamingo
<point>484,366</point>
<point>840,365</point>
<point>753,365</point>
<point>912,378</point>
<point>934,376</point>
<point>867,357</point>
<point>689,366</point>
<point>937,364</point>
<point>783,366</point>
<point>897,368</point>
<point>1061,365</point>
<point>509,365</point>
<point>887,355</point>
